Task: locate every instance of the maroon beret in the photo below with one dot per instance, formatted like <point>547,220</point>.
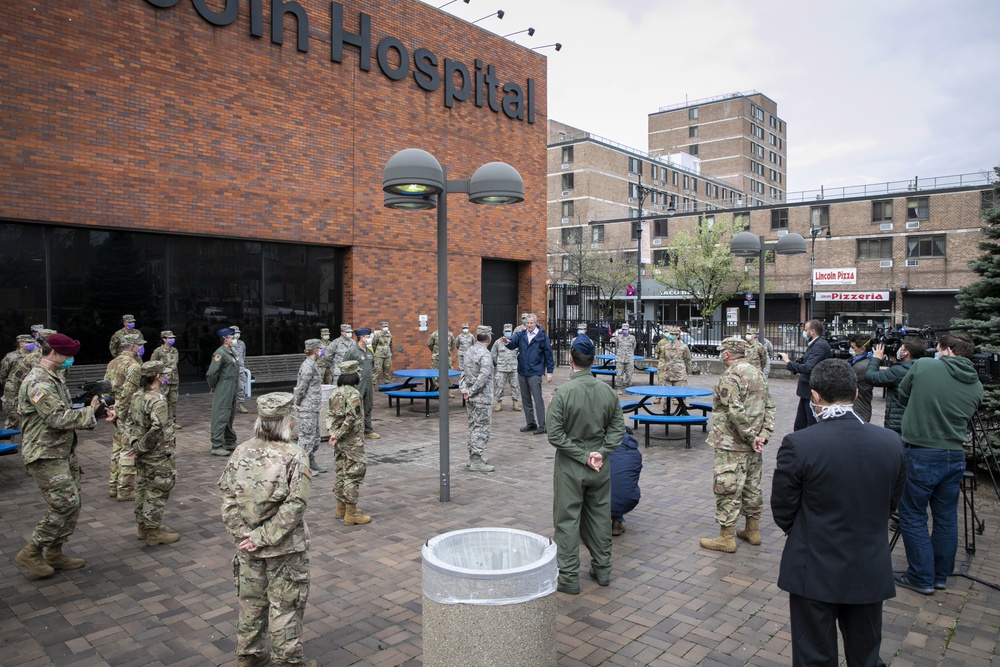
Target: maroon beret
<point>63,344</point>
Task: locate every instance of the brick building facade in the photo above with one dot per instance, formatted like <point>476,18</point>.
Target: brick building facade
<point>239,155</point>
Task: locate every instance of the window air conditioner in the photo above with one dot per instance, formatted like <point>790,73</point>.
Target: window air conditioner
<point>565,193</point>
<point>885,227</point>
<point>595,246</point>
<point>913,262</point>
<point>782,232</point>
<point>657,241</point>
<point>631,200</point>
<point>565,165</point>
<point>913,225</point>
<point>885,264</point>
<point>565,221</point>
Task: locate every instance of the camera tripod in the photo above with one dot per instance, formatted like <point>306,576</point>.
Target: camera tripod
<point>971,523</point>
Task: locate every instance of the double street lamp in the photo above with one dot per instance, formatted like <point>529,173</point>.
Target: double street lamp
<point>414,180</point>
<point>748,245</point>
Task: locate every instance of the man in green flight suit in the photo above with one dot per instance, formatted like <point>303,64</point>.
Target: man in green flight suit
<point>222,375</point>
<point>585,425</point>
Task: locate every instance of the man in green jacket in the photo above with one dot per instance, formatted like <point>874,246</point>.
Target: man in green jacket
<point>909,351</point>
<point>585,425</point>
<point>222,376</point>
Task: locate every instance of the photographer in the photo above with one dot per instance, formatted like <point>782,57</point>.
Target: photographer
<point>909,351</point>
<point>861,352</point>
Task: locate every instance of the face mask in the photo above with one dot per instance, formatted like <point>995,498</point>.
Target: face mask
<point>171,341</point>
<point>130,325</point>
<point>67,363</point>
<point>855,352</point>
<point>325,337</point>
<point>580,332</point>
<point>166,379</point>
<point>465,329</point>
<point>937,355</point>
<point>805,335</point>
<point>236,336</point>
<point>624,332</point>
<point>507,333</point>
<point>899,354</point>
<point>385,329</point>
<point>830,411</point>
<point>30,347</point>
<point>142,350</point>
<point>322,352</point>
<point>670,337</point>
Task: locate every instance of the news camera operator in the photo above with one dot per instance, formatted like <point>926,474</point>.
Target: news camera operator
<point>940,396</point>
<point>910,349</point>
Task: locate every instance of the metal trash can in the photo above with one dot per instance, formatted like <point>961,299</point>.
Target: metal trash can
<point>487,599</point>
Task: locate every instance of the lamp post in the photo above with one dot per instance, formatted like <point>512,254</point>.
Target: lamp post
<point>641,192</point>
<point>530,31</point>
<point>814,231</point>
<point>747,244</point>
<point>557,45</point>
<point>413,179</point>
<point>498,13</point>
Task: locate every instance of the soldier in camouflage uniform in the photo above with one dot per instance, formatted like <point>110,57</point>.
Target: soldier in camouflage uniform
<point>757,354</point>
<point>434,347</point>
<point>382,349</point>
<point>742,423</point>
<point>265,489</point>
<point>115,345</point>
<point>335,351</point>
<point>124,373</point>
<point>25,345</point>
<point>308,398</point>
<point>476,386</point>
<point>19,370</point>
<point>524,323</point>
<point>152,440</point>
<point>48,449</point>
<point>505,362</point>
<point>345,422</point>
<point>366,362</point>
<point>321,361</point>
<point>222,376</point>
<point>168,354</point>
<point>463,342</point>
<point>673,362</point>
<point>240,352</point>
<point>624,358</point>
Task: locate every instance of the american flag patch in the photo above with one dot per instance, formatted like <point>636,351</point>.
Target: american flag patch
<point>37,396</point>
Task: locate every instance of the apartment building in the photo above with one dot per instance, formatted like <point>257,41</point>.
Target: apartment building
<point>738,138</point>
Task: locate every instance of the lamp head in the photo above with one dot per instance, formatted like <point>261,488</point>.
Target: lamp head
<point>413,173</point>
<point>496,183</point>
<point>790,244</point>
<point>745,244</point>
<point>409,202</point>
<point>531,32</point>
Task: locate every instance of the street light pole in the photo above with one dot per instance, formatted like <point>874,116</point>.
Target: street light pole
<point>814,231</point>
<point>747,244</point>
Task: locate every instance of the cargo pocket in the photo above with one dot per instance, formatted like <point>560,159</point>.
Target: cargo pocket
<point>726,479</point>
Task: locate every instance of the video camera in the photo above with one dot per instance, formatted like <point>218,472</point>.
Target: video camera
<point>101,389</point>
<point>840,346</point>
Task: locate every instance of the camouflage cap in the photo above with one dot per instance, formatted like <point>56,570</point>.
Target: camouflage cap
<point>151,368</point>
<point>752,330</point>
<point>25,338</point>
<point>346,328</point>
<point>128,318</point>
<point>323,331</point>
<point>508,327</point>
<point>37,327</point>
<point>483,330</point>
<point>276,405</point>
<point>734,345</point>
<point>45,333</point>
<point>167,333</point>
<point>383,324</point>
<point>347,367</point>
<point>312,344</point>
<point>133,339</point>
<point>582,325</point>
<point>674,330</point>
<point>234,328</point>
<point>465,325</point>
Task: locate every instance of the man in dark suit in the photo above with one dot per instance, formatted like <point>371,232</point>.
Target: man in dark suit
<point>817,349</point>
<point>834,487</point>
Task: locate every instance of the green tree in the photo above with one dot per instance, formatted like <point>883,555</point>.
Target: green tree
<point>979,303</point>
<point>702,265</point>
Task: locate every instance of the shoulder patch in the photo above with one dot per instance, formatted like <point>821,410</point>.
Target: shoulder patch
<point>218,357</point>
<point>37,396</point>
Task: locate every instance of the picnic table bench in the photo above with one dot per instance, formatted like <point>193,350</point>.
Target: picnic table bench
<point>8,447</point>
<point>400,394</point>
<point>680,420</point>
<point>76,376</point>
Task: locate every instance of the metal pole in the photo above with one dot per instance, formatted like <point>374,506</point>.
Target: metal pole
<point>812,271</point>
<point>760,266</point>
<point>444,352</point>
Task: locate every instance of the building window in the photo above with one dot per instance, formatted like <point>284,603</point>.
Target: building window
<point>878,248</point>
<point>567,263</point>
<point>597,234</point>
<point>654,172</point>
<point>634,165</point>
<point>629,257</point>
<point>819,216</point>
<point>660,228</point>
<point>693,149</point>
<point>661,258</point>
<point>779,218</point>
<point>931,245</point>
<point>572,235</point>
<point>567,154</point>
<point>742,221</point>
<point>693,114</point>
<point>687,182</point>
<point>694,185</point>
<point>568,207</point>
<point>633,212</point>
<point>673,178</point>
<point>693,131</point>
<point>917,208</point>
<point>882,210</point>
<point>773,121</point>
<point>567,181</point>
<point>633,190</point>
<point>709,221</point>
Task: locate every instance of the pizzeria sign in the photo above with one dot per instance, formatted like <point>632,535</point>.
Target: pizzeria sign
<point>852,296</point>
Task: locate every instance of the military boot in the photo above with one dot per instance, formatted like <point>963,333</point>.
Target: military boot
<point>656,401</point>
<point>353,516</point>
<point>315,467</point>
<point>724,542</point>
<point>307,663</point>
<point>477,464</point>
<point>498,407</point>
<point>57,560</point>
<point>242,409</point>
<point>160,536</point>
<point>516,408</point>
<point>341,509</point>
<point>126,496</point>
<point>253,660</point>
<point>752,532</point>
<point>112,491</point>
<point>30,558</point>
<point>141,533</point>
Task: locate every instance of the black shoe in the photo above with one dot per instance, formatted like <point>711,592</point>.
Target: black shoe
<point>540,430</point>
<point>902,580</point>
<point>617,528</point>
<point>530,427</point>
<point>940,585</point>
<point>570,590</point>
<point>601,581</point>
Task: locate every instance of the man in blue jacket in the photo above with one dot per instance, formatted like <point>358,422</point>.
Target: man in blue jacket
<point>534,357</point>
<point>817,349</point>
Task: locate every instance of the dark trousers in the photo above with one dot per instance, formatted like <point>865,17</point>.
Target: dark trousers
<point>531,398</point>
<point>814,632</point>
<point>803,416</point>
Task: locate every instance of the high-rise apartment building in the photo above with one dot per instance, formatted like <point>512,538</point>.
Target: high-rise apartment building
<point>738,139</point>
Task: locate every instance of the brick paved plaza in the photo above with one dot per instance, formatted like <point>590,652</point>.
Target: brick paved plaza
<point>669,603</point>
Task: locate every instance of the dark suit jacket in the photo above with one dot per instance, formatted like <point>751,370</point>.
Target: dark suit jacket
<point>815,353</point>
<point>835,485</point>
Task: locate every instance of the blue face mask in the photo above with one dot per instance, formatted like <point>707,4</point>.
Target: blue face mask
<point>67,363</point>
<point>805,335</point>
<point>322,352</point>
<point>30,347</point>
<point>937,355</point>
<point>142,350</point>
<point>670,337</point>
<point>171,341</point>
<point>130,325</point>
<point>166,379</point>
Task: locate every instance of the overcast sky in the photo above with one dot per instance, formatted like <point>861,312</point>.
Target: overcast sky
<point>872,90</point>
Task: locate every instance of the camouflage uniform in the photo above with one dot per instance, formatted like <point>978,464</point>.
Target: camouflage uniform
<point>170,357</point>
<point>322,363</point>
<point>19,371</point>
<point>265,489</point>
<point>48,448</point>
<point>463,342</point>
<point>477,384</point>
<point>223,376</point>
<point>673,363</point>
<point>382,349</point>
<point>335,351</point>
<point>152,439</point>
<point>240,352</point>
<point>6,367</point>
<point>115,345</point>
<point>308,397</point>
<point>741,411</point>
<point>624,360</point>
<point>345,423</point>
<point>432,345</point>
<point>123,373</point>
<point>365,364</point>
<point>505,362</point>
<point>756,353</point>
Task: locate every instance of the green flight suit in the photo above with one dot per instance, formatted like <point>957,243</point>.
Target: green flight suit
<point>222,377</point>
<point>366,364</point>
<point>585,416</point>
